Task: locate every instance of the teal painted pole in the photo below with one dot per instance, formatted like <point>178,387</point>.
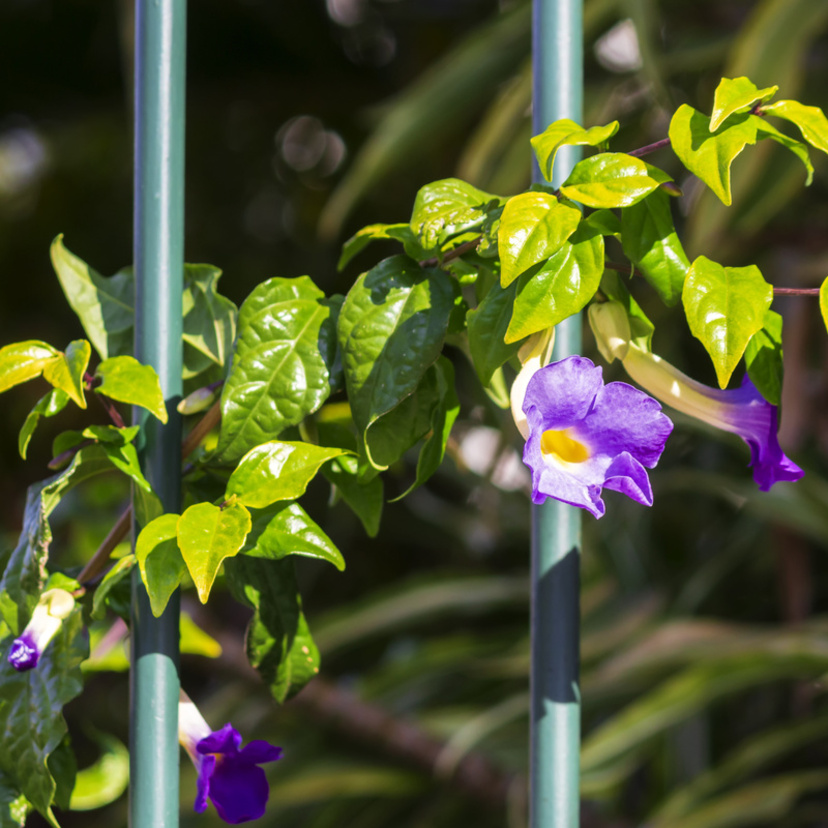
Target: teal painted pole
<point>160,48</point>
<point>554,802</point>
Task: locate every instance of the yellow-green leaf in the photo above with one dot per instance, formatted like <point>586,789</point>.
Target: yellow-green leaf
<point>125,379</point>
<point>612,179</point>
<point>208,534</point>
<point>733,94</point>
<point>567,133</point>
<point>22,361</point>
<point>160,560</point>
<point>811,121</point>
<point>823,301</point>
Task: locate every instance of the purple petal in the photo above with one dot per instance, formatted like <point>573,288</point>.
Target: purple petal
<point>560,397</point>
<point>239,791</point>
<point>24,654</point>
<point>226,740</point>
<point>628,476</point>
<point>205,770</point>
<point>258,752</point>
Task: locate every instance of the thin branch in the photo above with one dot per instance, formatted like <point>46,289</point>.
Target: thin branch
<point>454,253</point>
<point>795,291</point>
<point>649,148</point>
<point>201,429</point>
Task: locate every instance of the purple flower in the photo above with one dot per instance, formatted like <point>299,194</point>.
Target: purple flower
<point>743,411</point>
<point>230,778</point>
<point>54,605</point>
<point>585,436</point>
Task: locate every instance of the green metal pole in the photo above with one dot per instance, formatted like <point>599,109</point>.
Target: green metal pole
<point>160,48</point>
<point>557,53</point>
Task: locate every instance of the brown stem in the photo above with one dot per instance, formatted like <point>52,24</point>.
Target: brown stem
<point>646,150</point>
<point>621,268</point>
<point>201,429</point>
<point>454,253</point>
<point>795,291</point>
<point>65,456</point>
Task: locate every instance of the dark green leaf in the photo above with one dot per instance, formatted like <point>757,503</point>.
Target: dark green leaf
<point>279,644</point>
<point>560,287</point>
<point>611,179</point>
<point>533,227</point>
<point>565,133</point>
<point>47,406</point>
<point>706,154</point>
<point>104,306</point>
<point>763,357</point>
<point>391,329</point>
<point>725,307</point>
<point>159,558</point>
<point>285,528</point>
<point>363,496</point>
<point>208,534</point>
<point>112,579</point>
<point>487,326</point>
<point>13,805</point>
<point>283,366</point>
<point>733,94</point>
<point>125,379</point>
<point>650,241</point>
<point>63,766</point>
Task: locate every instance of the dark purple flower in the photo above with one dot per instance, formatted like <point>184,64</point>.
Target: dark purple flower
<point>46,621</point>
<point>230,778</point>
<point>585,436</point>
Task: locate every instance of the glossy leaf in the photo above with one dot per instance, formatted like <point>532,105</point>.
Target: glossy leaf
<point>208,534</point>
<point>706,154</point>
<point>562,286</point>
<point>126,380</point>
<point>725,307</point>
<point>445,208</point>
<point>811,121</point>
<point>209,324</point>
<point>279,643</point>
<point>31,720</point>
<point>285,528</point>
<point>277,471</point>
<point>563,133</point>
<point>533,226</point>
<point>391,329</point>
<point>160,561</point>
<point>363,496</point>
<point>22,361</point>
<point>104,306</point>
<point>52,403</point>
<point>377,232</point>
<point>283,366</point>
<point>487,326</point>
<point>733,94</point>
<point>650,241</point>
<point>66,371</point>
<point>611,179</point>
<point>763,357</point>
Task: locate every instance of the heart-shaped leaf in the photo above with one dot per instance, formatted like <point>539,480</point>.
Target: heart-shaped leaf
<point>125,379</point>
<point>160,561</point>
<point>563,133</point>
<point>811,121</point>
<point>733,94</point>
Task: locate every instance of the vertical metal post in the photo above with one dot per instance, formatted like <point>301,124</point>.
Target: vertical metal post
<point>160,48</point>
<point>557,53</point>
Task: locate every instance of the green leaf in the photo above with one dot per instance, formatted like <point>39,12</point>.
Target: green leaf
<point>194,641</point>
<point>442,419</point>
<point>63,766</point>
<point>560,287</point>
<point>733,94</point>
<point>112,579</point>
<point>209,325</point>
<point>283,367</point>
<point>160,560</point>
<point>391,329</point>
<point>533,227</point>
<point>31,719</point>
<point>763,357</point>
<point>725,307</point>
<point>277,471</point>
<point>53,403</point>
<point>708,155</point>
<point>66,370</point>
<point>208,534</point>
<point>823,301</point>
<point>279,644</point>
<point>364,496</point>
<point>605,222</point>
<point>611,179</point>
<point>117,443</point>
<point>650,241</point>
<point>125,379</point>
<point>811,121</point>
<point>445,208</point>
<point>22,361</point>
<point>285,528</point>
<point>567,133</point>
<point>766,130</point>
<point>374,232</point>
<point>13,805</point>
<point>104,306</point>
<point>105,779</point>
<point>487,326</point>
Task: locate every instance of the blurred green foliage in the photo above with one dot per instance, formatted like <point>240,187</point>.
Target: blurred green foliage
<point>704,648</point>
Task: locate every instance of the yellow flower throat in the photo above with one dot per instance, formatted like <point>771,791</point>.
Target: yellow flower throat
<point>563,447</point>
